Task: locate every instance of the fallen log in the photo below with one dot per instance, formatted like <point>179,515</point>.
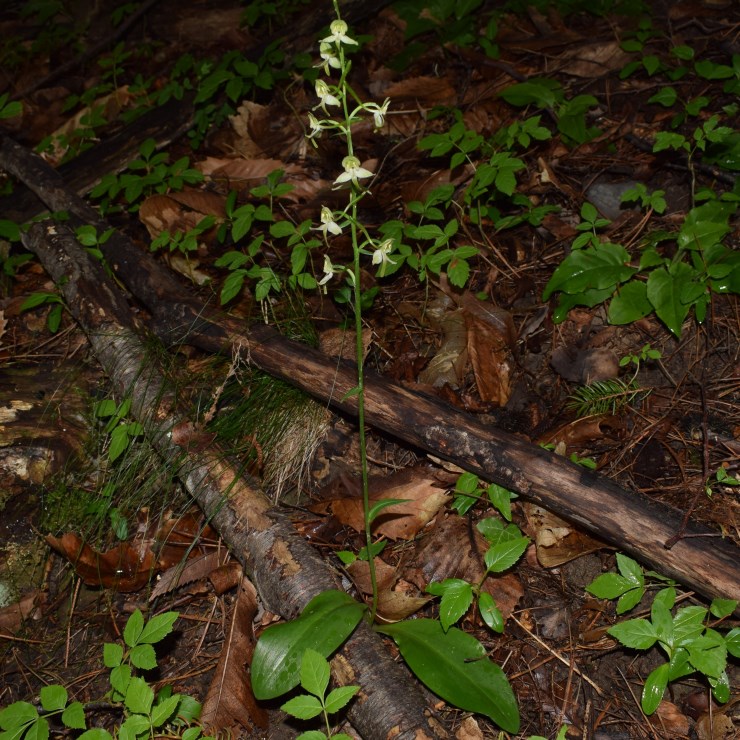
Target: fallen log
<point>636,524</point>
<point>285,569</point>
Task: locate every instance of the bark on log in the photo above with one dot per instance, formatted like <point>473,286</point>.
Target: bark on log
<point>640,526</point>
<point>286,570</point>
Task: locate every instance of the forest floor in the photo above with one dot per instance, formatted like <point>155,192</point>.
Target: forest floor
<point>521,286</point>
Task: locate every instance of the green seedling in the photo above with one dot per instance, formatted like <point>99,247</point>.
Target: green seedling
<point>721,478</point>
<point>315,676</point>
<point>651,201</point>
<point>686,637</point>
<point>54,319</point>
<point>9,109</point>
<point>122,432</point>
<point>506,546</point>
<point>144,714</point>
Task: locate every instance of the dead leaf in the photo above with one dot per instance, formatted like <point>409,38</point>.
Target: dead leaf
<point>425,91</point>
<point>469,730</point>
<point>556,541</point>
<point>338,342</point>
<point>595,59</point>
<point>3,323</point>
<point>400,521</point>
<point>669,719</point>
<point>225,577</point>
<point>385,575</point>
<point>122,568</point>
<point>577,434</point>
<point>447,367</point>
<point>490,338</point>
<point>184,573</point>
<point>13,615</point>
<point>230,703</point>
<point>393,606</point>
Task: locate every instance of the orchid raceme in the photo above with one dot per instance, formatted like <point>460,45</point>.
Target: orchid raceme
<point>353,171</point>
<point>329,58</point>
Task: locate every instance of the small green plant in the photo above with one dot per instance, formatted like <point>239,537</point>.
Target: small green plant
<point>721,478</point>
<point>145,714</point>
<point>315,676</point>
<point>150,173</point>
<point>121,432</point>
<point>54,318</point>
<point>9,109</point>
<point>506,545</point>
<point>669,283</point>
<point>652,201</point>
<point>688,639</point>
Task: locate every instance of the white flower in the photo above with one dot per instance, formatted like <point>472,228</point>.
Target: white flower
<point>338,30</point>
<point>328,271</point>
<point>379,112</point>
<point>352,171</point>
<point>380,256</point>
<point>325,96</point>
<point>329,58</point>
<point>316,128</point>
<point>328,223</point>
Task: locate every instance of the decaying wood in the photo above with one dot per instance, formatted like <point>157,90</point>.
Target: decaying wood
<point>702,560</point>
<point>286,570</point>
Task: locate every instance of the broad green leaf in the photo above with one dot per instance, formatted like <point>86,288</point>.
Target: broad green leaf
<point>722,607</point>
<point>157,628</point>
<point>112,654</point>
<point>315,735</point>
<point>662,622</point>
<point>708,653</point>
<point>501,498</point>
<point>630,303</point>
<point>303,707</point>
<point>732,642</point>
<point>495,531</point>
<point>630,569</point>
<point>599,267</point>
<point>457,596</point>
<point>655,686</point>
<point>679,665</point>
<point>144,657</point>
<point>340,697</point>
<point>16,714</point>
<point>37,299</point>
<point>467,483</point>
<point>502,556</point>
<point>164,710</point>
<point>720,687</point>
<point>542,92</point>
<point>314,673</point>
<point>139,696</point>
<point>490,613</point>
<point>96,733</point>
<point>634,633</point>
<point>232,285</point>
<point>666,597</point>
<point>705,225</point>
<point>119,441</point>
<point>666,97</point>
<point>664,292</point>
<point>688,624</point>
<point>281,229</point>
<point>609,586</point>
<point>192,733</point>
<point>53,697</point>
<point>74,716</point>
<point>630,599</point>
<point>133,725</point>
<point>189,708</point>
<point>324,625</point>
<point>120,677</point>
<point>39,730</point>
<point>454,666</point>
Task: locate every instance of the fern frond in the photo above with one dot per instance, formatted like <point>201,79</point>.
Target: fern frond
<point>605,397</point>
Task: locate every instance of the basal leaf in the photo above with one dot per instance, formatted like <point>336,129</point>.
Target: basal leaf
<point>324,625</point>
<point>454,665</point>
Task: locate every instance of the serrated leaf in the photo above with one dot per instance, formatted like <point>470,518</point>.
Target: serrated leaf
<point>314,735</point>
<point>722,607</point>
<point>340,697</point>
<point>630,599</point>
<point>324,625</point>
<point>454,665</point>
<point>655,686</point>
<point>303,707</point>
<point>720,687</point>
<point>630,569</point>
<point>96,733</point>
<point>708,653</point>
<point>456,600</point>
<point>609,586</point>
<point>53,697</point>
<point>39,730</point>
<point>74,716</point>
<point>501,498</point>
<point>732,642</point>
<point>490,613</point>
<point>634,633</point>
<point>314,673</point>
<point>502,556</point>
<point>120,677</point>
<point>139,696</point>
<point>144,657</point>
<point>112,654</point>
<point>157,628</point>
<point>16,714</point>
<point>164,710</point>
